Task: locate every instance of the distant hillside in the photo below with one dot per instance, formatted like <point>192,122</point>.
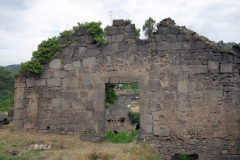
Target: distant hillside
<point>13,67</point>
<point>228,45</point>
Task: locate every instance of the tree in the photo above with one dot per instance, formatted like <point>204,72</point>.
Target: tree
<point>111,96</point>
<point>7,82</point>
<point>149,27</point>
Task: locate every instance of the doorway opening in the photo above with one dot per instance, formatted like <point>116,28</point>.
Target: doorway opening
<point>122,109</point>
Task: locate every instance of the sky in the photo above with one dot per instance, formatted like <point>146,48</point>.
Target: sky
<point>26,23</point>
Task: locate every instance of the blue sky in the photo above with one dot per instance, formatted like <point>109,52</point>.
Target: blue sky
<point>25,23</point>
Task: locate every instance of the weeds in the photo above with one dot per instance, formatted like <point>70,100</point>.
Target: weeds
<point>184,157</point>
<point>98,155</point>
<point>140,151</point>
<point>123,137</point>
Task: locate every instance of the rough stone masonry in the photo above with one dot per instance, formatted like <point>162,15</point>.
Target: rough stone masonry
<point>189,90</point>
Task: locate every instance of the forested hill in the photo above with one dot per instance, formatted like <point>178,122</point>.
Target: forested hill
<point>228,45</point>
<point>13,67</point>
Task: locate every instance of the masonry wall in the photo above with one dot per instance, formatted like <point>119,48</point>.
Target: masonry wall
<point>117,115</point>
<point>189,90</point>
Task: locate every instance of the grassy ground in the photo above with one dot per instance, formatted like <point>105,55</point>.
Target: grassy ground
<point>66,147</point>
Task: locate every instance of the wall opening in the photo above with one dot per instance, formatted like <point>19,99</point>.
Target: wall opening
<point>122,107</point>
<point>187,157</point>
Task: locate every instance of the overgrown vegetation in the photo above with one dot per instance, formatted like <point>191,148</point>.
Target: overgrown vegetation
<point>111,96</point>
<point>132,86</point>
<point>134,118</point>
<point>7,87</point>
<point>123,137</point>
<point>184,157</point>
<point>46,50</point>
<point>4,101</point>
<point>149,27</point>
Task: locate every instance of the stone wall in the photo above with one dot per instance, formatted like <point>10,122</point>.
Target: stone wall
<point>117,116</point>
<point>189,90</point>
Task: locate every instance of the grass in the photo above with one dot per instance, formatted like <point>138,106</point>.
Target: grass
<point>66,147</point>
<point>184,157</point>
<point>123,137</point>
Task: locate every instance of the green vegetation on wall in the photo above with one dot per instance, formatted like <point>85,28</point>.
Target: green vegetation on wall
<point>111,96</point>
<point>134,118</point>
<point>46,50</point>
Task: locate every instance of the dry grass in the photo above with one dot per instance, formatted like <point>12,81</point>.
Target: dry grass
<point>65,147</point>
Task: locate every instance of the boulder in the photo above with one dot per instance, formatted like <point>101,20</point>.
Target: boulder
<point>4,120</point>
<point>10,113</point>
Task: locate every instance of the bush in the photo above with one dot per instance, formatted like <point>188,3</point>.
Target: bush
<point>134,118</point>
<point>123,137</point>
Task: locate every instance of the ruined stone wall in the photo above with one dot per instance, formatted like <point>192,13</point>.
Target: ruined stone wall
<point>117,116</point>
<point>189,90</point>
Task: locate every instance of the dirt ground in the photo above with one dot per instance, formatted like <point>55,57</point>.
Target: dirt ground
<point>65,147</point>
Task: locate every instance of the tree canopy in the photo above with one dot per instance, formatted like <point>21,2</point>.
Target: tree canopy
<point>149,27</point>
<point>7,80</point>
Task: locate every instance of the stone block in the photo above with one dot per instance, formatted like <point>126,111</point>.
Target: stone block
<point>115,47</point>
<point>80,32</point>
<point>76,64</point>
<point>161,130</point>
<point>142,48</point>
<point>59,74</point>
<point>118,22</point>
<point>93,52</point>
<point>69,82</point>
<point>153,46</point>
<point>175,69</point>
<point>132,35</point>
<point>130,28</point>
<point>18,125</point>
<point>200,68</point>
<point>159,37</point>
<point>111,30</point>
<point>106,49</point>
<point>226,68</point>
<point>157,96</point>
<point>55,64</point>
<point>82,51</point>
<point>213,65</point>
<point>154,85</point>
<point>234,95</point>
<point>200,45</point>
<point>123,47</point>
<point>117,38</point>
<point>188,45</point>
<point>19,93</point>
<point>19,103</point>
<point>163,30</point>
<point>236,59</point>
<point>90,61</point>
<point>68,67</point>
<point>87,79</point>
<point>186,87</point>
<point>82,71</point>
<point>88,38</point>
<point>120,29</point>
<point>81,39</point>
<point>41,82</point>
<point>51,82</point>
<point>147,128</point>
<point>163,46</point>
<point>182,38</point>
<point>65,103</point>
<point>30,82</point>
<point>171,38</point>
<point>133,48</point>
<point>46,74</point>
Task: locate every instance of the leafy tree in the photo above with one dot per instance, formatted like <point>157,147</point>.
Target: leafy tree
<point>149,27</point>
<point>111,96</point>
<point>7,82</point>
<point>137,31</point>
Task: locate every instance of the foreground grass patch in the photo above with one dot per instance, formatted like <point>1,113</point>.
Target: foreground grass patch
<point>123,137</point>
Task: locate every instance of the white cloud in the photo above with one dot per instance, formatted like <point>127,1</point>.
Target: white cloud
<point>25,23</point>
